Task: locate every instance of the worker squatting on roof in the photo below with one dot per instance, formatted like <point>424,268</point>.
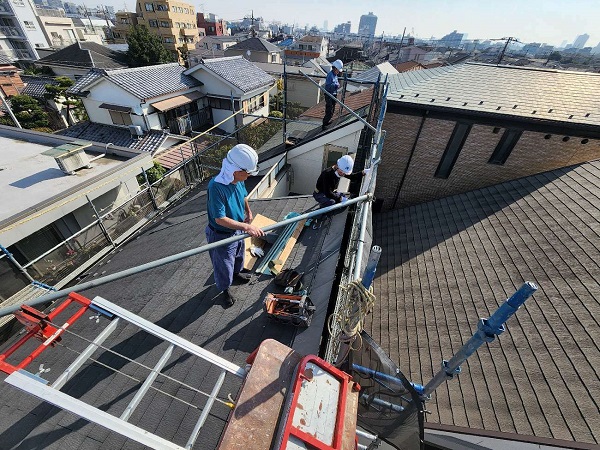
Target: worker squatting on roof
<point>326,190</point>
<point>229,214</point>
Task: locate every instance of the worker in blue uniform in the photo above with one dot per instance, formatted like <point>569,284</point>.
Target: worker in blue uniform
<point>229,214</point>
<point>332,85</point>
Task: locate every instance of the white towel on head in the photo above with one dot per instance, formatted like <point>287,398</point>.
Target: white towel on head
<point>226,174</point>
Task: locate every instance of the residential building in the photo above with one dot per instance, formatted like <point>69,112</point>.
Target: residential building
<point>233,84</point>
<point>307,48</point>
<point>77,59</point>
<point>91,29</point>
<point>123,23</point>
<point>452,40</point>
<point>351,51</point>
<point>531,49</point>
<point>299,89</point>
<point>418,54</point>
<point>580,40</point>
<point>410,65</point>
<point>160,97</point>
<point>173,21</point>
<point>458,128</point>
<point>20,32</point>
<point>57,27</point>
<point>367,25</point>
<point>48,206</point>
<point>343,28</point>
<point>213,26</point>
<point>10,79</point>
<point>256,50</point>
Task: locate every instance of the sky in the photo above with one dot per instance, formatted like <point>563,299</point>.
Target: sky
<point>544,21</point>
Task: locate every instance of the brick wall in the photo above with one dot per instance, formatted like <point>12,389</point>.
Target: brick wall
<point>534,153</point>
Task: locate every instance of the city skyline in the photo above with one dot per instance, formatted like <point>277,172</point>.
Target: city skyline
<point>533,21</point>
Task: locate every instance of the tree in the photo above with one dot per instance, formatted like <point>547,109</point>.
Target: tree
<point>555,56</point>
<point>28,112</point>
<point>154,173</point>
<point>58,93</point>
<point>145,48</point>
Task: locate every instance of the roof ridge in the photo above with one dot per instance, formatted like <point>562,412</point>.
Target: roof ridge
<point>141,68</point>
<point>224,58</point>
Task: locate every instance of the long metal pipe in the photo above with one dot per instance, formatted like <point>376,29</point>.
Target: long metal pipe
<point>159,262</point>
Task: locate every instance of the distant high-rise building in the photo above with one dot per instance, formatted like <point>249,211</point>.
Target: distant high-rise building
<point>342,28</point>
<point>325,25</point>
<point>596,50</point>
<point>581,40</point>
<point>367,24</point>
<point>563,44</point>
<point>532,48</point>
<point>452,39</point>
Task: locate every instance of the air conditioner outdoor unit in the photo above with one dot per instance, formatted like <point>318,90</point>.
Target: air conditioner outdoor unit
<point>136,130</point>
<point>70,157</point>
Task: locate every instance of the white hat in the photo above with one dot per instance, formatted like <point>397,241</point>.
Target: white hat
<point>345,164</point>
<point>338,64</point>
<point>244,158</point>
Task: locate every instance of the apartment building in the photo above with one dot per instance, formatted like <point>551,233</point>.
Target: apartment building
<point>20,33</point>
<point>173,21</point>
<point>123,23</point>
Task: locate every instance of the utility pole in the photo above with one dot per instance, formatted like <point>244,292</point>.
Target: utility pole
<point>508,41</point>
<point>252,31</point>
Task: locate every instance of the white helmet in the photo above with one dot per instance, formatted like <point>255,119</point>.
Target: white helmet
<point>338,64</point>
<point>345,164</point>
<point>244,158</point>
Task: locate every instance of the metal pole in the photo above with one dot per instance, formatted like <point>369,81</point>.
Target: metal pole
<point>284,100</point>
<point>16,263</point>
<point>371,266</point>
<point>159,262</point>
<point>9,109</point>
<point>100,223</point>
<point>152,197</point>
<point>487,330</point>
<point>367,124</point>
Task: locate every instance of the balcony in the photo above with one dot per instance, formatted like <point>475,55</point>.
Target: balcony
<point>188,31</point>
<point>5,8</point>
<point>11,32</point>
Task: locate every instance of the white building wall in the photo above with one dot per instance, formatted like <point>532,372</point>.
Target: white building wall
<point>214,85</point>
<point>221,114</point>
<point>22,12</point>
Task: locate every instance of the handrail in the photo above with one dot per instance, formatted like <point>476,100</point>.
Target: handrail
<point>160,262</point>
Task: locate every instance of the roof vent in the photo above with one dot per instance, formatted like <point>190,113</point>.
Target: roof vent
<point>70,157</point>
<point>550,110</point>
<point>136,131</point>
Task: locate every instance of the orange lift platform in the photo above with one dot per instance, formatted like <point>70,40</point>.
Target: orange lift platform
<point>287,401</point>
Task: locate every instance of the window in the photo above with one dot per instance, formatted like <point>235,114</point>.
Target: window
<point>505,146</point>
<point>124,20</point>
<point>153,23</point>
<point>120,118</point>
<point>179,9</point>
<point>181,41</point>
<point>149,6</point>
<point>186,10</point>
<point>177,25</point>
<point>255,103</point>
<point>455,144</point>
<point>174,8</point>
<point>168,40</point>
<point>160,7</point>
<point>219,103</point>
<point>29,24</point>
<point>165,24</point>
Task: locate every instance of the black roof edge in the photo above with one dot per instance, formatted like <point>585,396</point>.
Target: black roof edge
<point>494,119</point>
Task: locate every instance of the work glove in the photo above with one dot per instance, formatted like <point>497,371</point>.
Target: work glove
<point>367,171</point>
<point>257,251</point>
<point>343,199</point>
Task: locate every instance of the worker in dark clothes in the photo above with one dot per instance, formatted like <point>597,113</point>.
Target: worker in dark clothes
<point>325,192</point>
<point>229,214</point>
<point>332,85</point>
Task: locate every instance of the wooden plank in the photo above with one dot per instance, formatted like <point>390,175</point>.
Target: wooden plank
<point>258,221</point>
<point>285,253</point>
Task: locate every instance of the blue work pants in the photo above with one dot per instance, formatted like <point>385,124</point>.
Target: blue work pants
<point>227,260</point>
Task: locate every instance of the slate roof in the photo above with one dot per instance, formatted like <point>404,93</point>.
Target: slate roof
<point>86,55</point>
<point>568,97</point>
<point>237,71</point>
<point>372,74</point>
<point>36,86</point>
<point>143,82</point>
<point>448,262</point>
<point>256,45</point>
<point>180,297</point>
<point>121,137</point>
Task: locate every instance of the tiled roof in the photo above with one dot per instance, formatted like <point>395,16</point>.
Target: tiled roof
<point>5,60</point>
<point>36,86</point>
<point>182,298</point>
<point>572,97</point>
<point>353,100</point>
<point>448,262</point>
<point>256,45</point>
<point>238,71</point>
<point>86,54</point>
<point>121,137</point>
<point>410,65</point>
<point>174,156</point>
<point>309,38</point>
<point>372,74</point>
<point>143,82</point>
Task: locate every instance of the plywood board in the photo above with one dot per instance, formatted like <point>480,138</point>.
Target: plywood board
<point>258,221</point>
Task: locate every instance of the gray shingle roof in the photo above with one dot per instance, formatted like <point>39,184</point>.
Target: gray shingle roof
<point>448,262</point>
<point>98,132</point>
<point>506,90</point>
<point>372,74</point>
<point>255,44</point>
<point>86,54</point>
<point>36,86</point>
<point>143,82</point>
<point>180,297</point>
<point>238,71</point>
